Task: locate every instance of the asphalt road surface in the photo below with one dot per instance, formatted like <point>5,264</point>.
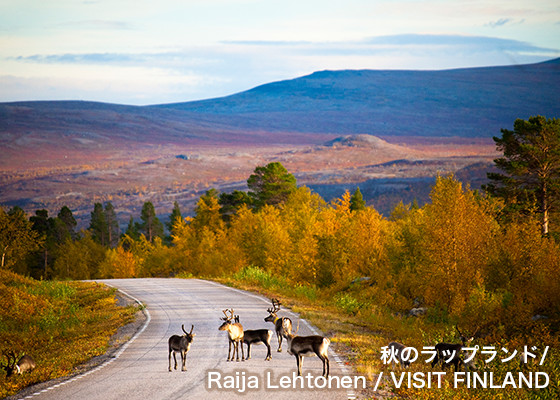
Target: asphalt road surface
<point>140,371</point>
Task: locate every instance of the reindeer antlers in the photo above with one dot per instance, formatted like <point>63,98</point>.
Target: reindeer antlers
<point>11,358</point>
<point>275,305</point>
<point>473,335</point>
<point>457,328</point>
<point>226,316</point>
<point>476,331</point>
<point>183,327</point>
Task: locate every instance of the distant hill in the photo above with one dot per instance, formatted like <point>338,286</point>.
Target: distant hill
<point>473,102</point>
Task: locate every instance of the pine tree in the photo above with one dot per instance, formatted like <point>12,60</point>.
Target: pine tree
<point>531,166</point>
<point>231,202</point>
<point>271,185</point>
<point>67,218</point>
<point>113,230</point>
<point>151,226</point>
<point>175,215</point>
<point>45,226</point>
<point>357,202</point>
<point>98,225</point>
<point>132,229</point>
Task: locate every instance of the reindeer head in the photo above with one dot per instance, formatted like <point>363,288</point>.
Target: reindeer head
<point>10,366</point>
<point>189,336</point>
<point>227,319</point>
<point>272,311</point>
<point>464,338</point>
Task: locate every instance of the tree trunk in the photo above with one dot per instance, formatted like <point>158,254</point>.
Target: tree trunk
<point>46,262</point>
<point>545,215</point>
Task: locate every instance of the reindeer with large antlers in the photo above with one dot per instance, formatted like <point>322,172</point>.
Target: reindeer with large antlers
<point>450,353</point>
<point>235,335</point>
<point>300,346</point>
<point>282,325</point>
<point>25,363</point>
<point>180,344</point>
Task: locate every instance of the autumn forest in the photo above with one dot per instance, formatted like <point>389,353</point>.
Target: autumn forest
<point>487,260</point>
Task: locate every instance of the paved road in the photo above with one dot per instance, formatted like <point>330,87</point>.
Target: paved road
<point>140,371</point>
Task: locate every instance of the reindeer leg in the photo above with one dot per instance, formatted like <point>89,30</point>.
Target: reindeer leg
<point>183,359</point>
<point>279,342</point>
<point>242,351</point>
<point>456,362</point>
<point>268,353</point>
<point>170,359</point>
<point>248,350</point>
<point>299,364</point>
<point>435,360</point>
<point>229,351</point>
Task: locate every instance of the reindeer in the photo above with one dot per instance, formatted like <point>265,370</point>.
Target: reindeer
<point>256,336</point>
<point>235,335</point>
<point>282,325</point>
<point>180,344</point>
<point>25,363</point>
<point>397,349</point>
<point>300,346</point>
<point>444,351</point>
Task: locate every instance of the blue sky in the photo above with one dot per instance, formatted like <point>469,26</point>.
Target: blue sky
<point>152,52</point>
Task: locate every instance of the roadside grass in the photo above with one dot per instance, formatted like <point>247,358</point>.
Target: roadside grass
<point>359,329</point>
<point>60,324</point>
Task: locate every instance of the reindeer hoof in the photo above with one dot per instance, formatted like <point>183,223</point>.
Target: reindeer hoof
<point>279,350</point>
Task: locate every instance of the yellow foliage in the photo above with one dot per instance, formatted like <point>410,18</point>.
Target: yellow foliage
<point>41,318</point>
<point>458,241</point>
<point>119,263</point>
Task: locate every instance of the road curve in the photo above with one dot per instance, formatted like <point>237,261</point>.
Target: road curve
<point>141,370</point>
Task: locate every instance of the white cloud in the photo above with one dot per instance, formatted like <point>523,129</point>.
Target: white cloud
<point>498,23</point>
<point>194,73</point>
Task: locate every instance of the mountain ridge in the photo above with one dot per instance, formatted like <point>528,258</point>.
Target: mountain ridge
<point>467,102</point>
<point>378,99</point>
